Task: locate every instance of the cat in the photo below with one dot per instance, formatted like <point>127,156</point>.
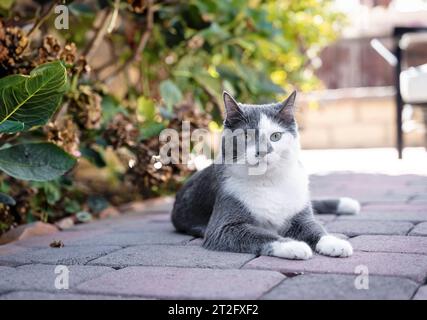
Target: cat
<point>267,213</point>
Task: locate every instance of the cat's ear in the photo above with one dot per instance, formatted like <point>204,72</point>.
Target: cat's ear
<point>231,106</point>
<point>287,107</point>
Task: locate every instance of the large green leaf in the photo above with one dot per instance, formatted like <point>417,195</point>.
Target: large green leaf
<point>33,99</point>
<point>35,161</point>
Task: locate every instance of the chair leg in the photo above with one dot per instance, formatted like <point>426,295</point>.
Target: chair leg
<point>399,131</point>
<point>424,111</point>
<point>399,101</point>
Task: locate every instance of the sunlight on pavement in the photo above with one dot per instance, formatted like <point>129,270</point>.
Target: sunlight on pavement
<point>375,160</point>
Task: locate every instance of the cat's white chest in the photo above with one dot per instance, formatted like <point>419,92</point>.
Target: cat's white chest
<point>273,200</point>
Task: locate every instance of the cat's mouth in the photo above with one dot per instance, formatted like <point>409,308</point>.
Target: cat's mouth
<point>259,161</point>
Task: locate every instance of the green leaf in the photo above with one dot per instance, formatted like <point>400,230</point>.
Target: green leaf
<point>94,156</point>
<point>11,127</point>
<point>35,161</point>
<point>146,108</point>
<point>71,206</point>
<point>151,130</point>
<point>170,93</point>
<point>51,190</point>
<point>193,17</point>
<point>6,4</point>
<point>97,203</point>
<point>33,99</point>
<point>6,199</point>
<point>4,186</point>
<point>110,107</point>
<point>211,85</point>
<point>81,9</point>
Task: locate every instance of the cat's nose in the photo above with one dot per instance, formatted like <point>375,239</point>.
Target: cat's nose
<point>263,153</point>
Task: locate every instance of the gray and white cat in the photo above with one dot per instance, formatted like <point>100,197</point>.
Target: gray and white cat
<point>264,214</point>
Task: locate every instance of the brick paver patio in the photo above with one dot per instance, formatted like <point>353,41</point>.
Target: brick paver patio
<point>139,256</point>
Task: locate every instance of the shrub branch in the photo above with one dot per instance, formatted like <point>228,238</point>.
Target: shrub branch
<point>136,57</point>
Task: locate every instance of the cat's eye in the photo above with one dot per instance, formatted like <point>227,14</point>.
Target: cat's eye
<point>276,136</point>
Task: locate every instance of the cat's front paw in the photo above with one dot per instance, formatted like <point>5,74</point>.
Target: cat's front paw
<point>296,250</point>
<point>334,247</point>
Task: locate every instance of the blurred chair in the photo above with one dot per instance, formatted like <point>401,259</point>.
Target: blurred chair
<point>410,84</point>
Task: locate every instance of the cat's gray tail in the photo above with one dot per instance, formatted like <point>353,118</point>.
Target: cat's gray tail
<point>340,206</point>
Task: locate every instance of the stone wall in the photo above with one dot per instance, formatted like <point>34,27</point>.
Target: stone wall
<point>354,118</point>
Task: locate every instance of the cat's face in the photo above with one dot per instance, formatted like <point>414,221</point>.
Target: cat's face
<point>260,137</point>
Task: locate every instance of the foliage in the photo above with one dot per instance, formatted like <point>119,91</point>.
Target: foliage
<point>35,161</point>
<point>29,101</point>
<point>135,68</point>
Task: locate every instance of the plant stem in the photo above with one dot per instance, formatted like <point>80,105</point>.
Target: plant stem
<point>106,26</point>
<point>141,45</point>
<point>99,34</point>
<point>42,19</point>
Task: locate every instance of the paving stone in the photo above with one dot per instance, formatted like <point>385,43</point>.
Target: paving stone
<point>424,202</point>
<point>125,219</point>
<point>420,198</point>
<point>89,227</point>
<point>400,244</point>
<point>325,218</point>
<point>10,248</point>
<point>418,181</point>
<point>109,223</point>
<point>415,208</point>
<point>157,205</point>
<point>165,264</point>
<point>146,226</point>
<point>65,237</point>
<point>150,217</point>
<point>26,231</point>
<point>173,256</point>
<point>5,272</point>
<point>4,269</point>
<point>357,227</point>
<point>36,295</point>
<point>341,287</point>
<point>388,216</point>
<point>413,266</point>
<point>364,197</point>
<point>7,255</point>
<point>362,194</point>
<point>421,293</point>
<point>125,239</point>
<point>65,255</point>
<point>42,277</point>
<point>410,191</point>
<point>164,205</point>
<point>368,199</point>
<point>159,216</point>
<point>195,242</point>
<point>419,230</point>
<point>184,283</point>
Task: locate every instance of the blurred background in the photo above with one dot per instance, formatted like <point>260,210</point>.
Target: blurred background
<point>360,83</point>
<point>136,67</point>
